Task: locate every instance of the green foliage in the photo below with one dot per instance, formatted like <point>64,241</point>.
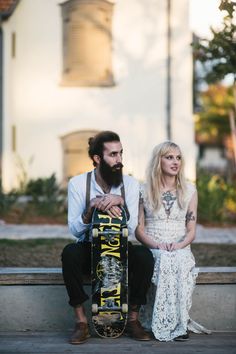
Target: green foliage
<point>47,197</point>
<point>218,54</point>
<point>217,199</point>
<point>7,200</point>
<point>212,123</point>
<point>42,197</point>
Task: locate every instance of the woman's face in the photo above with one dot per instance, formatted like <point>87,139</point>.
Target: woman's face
<point>171,163</point>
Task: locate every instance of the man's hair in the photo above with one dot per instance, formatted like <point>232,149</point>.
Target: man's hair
<point>96,143</point>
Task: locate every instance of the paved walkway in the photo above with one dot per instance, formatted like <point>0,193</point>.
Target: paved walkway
<point>45,342</point>
<point>20,232</point>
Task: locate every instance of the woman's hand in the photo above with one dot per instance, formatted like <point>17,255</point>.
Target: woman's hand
<point>175,246</point>
<point>169,246</point>
<point>163,246</point>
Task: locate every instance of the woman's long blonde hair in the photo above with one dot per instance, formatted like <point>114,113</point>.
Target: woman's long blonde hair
<point>154,176</point>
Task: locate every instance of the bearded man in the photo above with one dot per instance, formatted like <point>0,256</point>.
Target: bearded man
<point>107,189</point>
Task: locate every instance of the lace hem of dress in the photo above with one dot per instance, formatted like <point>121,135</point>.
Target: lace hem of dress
<point>170,298</point>
<point>197,328</point>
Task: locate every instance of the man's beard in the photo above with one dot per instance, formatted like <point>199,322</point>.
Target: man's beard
<point>111,175</point>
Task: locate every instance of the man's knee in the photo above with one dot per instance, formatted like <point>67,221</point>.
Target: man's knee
<point>142,257</point>
<point>147,258</point>
<point>69,253</point>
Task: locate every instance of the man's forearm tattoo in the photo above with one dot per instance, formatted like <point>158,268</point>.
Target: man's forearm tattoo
<point>190,217</point>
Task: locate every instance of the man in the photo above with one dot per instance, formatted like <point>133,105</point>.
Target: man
<point>107,190</point>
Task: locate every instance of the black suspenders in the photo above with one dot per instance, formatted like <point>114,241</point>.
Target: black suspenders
<point>88,185</point>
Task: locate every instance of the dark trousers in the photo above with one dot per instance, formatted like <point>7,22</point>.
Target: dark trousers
<point>76,261</point>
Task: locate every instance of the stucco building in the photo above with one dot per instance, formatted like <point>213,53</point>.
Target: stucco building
<point>71,68</point>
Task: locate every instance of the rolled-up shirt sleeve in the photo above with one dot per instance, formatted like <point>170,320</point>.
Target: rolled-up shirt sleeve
<point>76,206</point>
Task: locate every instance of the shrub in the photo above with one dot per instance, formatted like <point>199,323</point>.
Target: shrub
<point>217,199</point>
<point>7,200</point>
<point>47,196</point>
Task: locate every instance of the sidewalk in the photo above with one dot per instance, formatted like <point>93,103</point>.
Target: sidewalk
<point>24,231</point>
<point>55,343</point>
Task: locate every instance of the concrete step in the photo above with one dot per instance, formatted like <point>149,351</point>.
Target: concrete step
<point>57,342</point>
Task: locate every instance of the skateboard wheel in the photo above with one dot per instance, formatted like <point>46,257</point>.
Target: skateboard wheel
<point>125,232</point>
<point>125,308</point>
<point>94,308</point>
<point>95,232</point>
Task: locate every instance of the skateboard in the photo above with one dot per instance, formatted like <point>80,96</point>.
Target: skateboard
<point>109,274</point>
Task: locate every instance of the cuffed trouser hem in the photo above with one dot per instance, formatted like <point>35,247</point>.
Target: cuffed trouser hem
<point>137,302</point>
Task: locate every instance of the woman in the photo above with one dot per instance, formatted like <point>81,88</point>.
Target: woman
<point>168,213</point>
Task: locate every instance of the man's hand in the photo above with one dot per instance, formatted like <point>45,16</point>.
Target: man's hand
<point>109,203</point>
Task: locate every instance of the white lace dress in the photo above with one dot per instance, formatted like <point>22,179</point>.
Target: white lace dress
<point>174,277</point>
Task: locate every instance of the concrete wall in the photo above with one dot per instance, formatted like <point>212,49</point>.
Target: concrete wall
<point>44,307</point>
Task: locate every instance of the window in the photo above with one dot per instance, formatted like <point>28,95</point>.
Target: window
<point>75,153</point>
<point>13,45</point>
<point>87,43</point>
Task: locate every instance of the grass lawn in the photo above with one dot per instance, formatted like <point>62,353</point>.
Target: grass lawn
<point>47,253</point>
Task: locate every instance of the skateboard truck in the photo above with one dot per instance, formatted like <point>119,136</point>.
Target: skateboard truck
<point>112,233</point>
<point>109,306</point>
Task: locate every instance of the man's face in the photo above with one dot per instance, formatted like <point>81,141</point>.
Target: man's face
<point>111,163</point>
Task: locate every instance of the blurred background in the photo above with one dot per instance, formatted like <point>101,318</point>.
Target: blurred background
<point>151,70</point>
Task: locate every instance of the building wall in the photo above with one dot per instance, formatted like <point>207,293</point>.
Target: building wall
<point>43,110</point>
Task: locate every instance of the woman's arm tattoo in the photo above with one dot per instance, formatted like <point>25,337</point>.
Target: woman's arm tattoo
<point>190,217</point>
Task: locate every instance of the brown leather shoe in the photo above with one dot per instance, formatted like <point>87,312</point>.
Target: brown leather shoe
<point>80,334</point>
<point>136,331</point>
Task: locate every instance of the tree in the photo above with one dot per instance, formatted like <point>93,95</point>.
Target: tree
<point>212,123</point>
<point>218,56</point>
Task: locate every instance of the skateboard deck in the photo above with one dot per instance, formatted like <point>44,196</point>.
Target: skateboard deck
<point>109,274</point>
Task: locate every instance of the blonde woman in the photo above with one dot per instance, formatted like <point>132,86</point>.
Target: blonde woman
<point>167,224</point>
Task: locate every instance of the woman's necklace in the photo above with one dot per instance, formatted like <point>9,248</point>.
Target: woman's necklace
<point>168,200</point>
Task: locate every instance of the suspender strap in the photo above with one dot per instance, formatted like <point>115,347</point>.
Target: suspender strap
<point>123,191</point>
<point>88,183</point>
<point>123,196</point>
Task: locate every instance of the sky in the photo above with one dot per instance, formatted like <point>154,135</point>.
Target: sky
<point>203,14</point>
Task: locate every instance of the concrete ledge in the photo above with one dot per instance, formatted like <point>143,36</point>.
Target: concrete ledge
<point>53,276</point>
<point>35,299</point>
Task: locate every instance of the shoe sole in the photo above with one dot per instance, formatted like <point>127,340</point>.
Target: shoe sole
<point>139,339</point>
<point>80,342</point>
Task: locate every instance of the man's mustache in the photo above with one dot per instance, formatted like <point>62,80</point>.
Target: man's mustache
<point>117,166</point>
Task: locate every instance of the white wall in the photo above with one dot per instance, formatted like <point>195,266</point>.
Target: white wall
<point>42,110</point>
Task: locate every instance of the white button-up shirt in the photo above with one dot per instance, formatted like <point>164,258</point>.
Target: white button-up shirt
<point>77,202</point>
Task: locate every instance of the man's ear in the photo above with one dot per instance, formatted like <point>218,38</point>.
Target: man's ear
<point>96,159</point>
